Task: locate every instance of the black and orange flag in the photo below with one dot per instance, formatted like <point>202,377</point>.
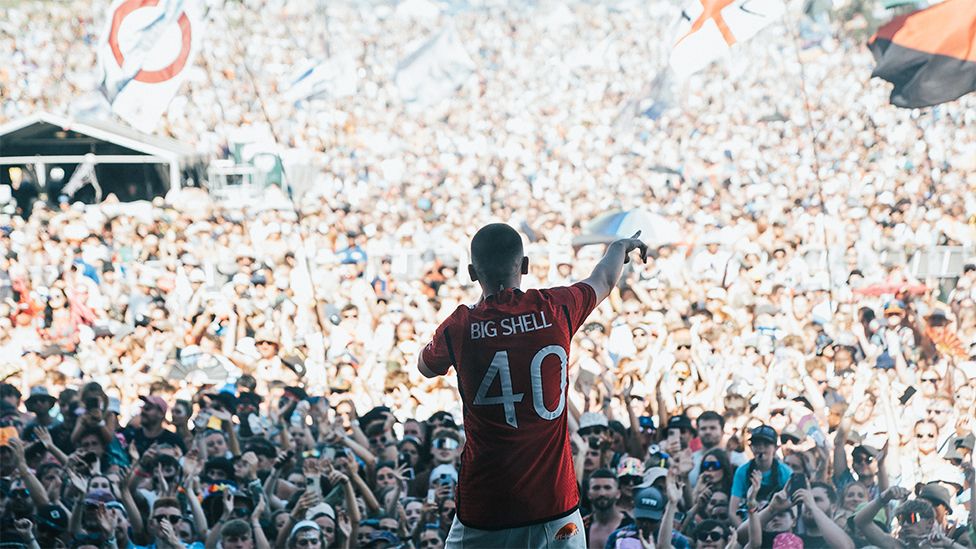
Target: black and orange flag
<point>929,55</point>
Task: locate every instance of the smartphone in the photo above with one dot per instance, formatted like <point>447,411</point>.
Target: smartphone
<point>215,423</point>
<point>907,395</point>
<point>7,433</point>
<point>314,484</point>
<point>90,458</point>
<point>202,419</point>
<point>431,496</point>
<point>797,481</point>
<point>92,403</point>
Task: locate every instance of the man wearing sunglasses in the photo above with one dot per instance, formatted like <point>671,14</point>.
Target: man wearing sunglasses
<point>711,534</point>
<point>161,527</point>
<point>916,519</point>
<point>511,353</point>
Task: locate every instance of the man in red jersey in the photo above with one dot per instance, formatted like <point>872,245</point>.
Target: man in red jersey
<point>517,487</point>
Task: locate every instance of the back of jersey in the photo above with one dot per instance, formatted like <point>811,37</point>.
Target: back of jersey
<point>512,360</point>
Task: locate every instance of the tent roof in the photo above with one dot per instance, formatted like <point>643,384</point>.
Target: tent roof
<point>46,134</point>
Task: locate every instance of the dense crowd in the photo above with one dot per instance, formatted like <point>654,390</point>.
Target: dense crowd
<point>187,374</point>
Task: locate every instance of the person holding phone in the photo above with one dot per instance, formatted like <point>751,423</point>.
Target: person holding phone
<point>764,442</point>
<point>518,486</point>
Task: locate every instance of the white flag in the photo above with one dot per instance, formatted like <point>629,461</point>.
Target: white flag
<point>146,50</point>
<point>709,29</point>
<point>336,77</point>
<point>435,70</point>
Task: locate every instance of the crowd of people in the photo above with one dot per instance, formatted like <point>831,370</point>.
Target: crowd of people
<point>189,374</point>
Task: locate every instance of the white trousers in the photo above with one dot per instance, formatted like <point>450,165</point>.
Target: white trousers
<point>562,533</point>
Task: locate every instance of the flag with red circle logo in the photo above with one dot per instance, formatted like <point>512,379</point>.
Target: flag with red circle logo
<point>710,28</point>
<point>146,51</point>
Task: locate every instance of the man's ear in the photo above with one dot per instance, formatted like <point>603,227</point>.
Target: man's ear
<point>472,273</point>
<point>525,265</point>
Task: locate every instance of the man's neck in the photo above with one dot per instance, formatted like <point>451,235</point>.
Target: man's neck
<point>492,288</point>
<point>610,515</point>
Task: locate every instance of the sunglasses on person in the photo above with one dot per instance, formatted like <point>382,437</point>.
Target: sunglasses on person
<point>911,518</point>
<point>711,465</point>
<point>629,480</point>
<point>594,431</point>
<point>172,518</point>
<point>684,346</point>
<point>714,535</point>
<point>445,443</point>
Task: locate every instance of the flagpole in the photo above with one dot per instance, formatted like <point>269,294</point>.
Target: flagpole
<point>816,157</point>
<point>242,54</point>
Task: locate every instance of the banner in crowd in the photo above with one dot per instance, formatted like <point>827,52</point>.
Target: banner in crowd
<point>336,77</point>
<point>435,70</point>
<point>929,55</point>
<point>145,52</point>
<point>709,29</point>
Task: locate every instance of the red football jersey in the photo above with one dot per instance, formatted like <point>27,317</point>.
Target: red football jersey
<point>511,354</point>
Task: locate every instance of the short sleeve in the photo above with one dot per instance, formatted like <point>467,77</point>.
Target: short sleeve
<point>739,482</point>
<point>438,355</point>
<point>579,300</point>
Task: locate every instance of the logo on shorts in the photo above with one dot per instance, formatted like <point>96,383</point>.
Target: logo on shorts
<point>567,531</point>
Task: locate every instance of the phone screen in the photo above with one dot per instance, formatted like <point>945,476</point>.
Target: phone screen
<point>797,481</point>
<point>7,433</point>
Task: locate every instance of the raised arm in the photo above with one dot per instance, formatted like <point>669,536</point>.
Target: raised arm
<point>864,519</point>
<point>833,534</point>
<point>607,272</point>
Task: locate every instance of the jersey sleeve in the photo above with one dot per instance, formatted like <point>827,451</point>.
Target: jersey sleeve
<point>438,355</point>
<point>577,300</point>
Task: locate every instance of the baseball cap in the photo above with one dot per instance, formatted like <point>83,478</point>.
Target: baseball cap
<point>968,442</point>
<point>792,432</point>
<point>52,517</point>
<point>680,421</point>
<point>155,401</point>
<point>936,495</point>
<point>763,433</point>
<point>99,496</point>
<point>320,510</point>
<point>869,451</point>
<point>894,308</point>
<point>382,536</point>
<point>630,466</point>
<point>593,419</point>
<point>445,469</point>
<point>651,475</point>
<point>649,504</point>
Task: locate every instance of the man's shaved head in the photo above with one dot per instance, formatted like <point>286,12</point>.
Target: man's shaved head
<point>496,254</point>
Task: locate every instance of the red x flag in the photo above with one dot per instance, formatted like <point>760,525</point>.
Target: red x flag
<point>709,29</point>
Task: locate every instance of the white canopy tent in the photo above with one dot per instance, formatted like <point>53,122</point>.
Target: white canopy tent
<point>43,140</point>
